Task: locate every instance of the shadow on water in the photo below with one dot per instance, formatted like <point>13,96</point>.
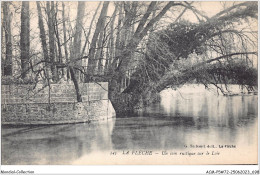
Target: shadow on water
<point>59,144</point>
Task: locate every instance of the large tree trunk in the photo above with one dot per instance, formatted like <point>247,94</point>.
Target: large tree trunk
<point>124,32</point>
<point>7,17</point>
<point>138,36</point>
<point>111,47</point>
<point>76,84</point>
<point>100,52</point>
<point>56,29</point>
<point>92,62</point>
<point>118,47</point>
<point>25,38</point>
<point>77,38</point>
<point>65,38</point>
<point>130,11</point>
<point>51,15</point>
<point>75,52</point>
<point>116,97</point>
<point>42,33</point>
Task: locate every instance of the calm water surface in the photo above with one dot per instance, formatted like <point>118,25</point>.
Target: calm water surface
<point>182,117</point>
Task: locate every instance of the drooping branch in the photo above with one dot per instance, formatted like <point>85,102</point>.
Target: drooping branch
<point>224,56</point>
<point>228,10</point>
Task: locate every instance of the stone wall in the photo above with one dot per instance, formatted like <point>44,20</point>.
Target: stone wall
<point>29,105</point>
<point>14,94</point>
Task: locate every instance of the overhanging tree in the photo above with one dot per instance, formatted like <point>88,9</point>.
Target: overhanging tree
<point>167,59</point>
<point>211,50</point>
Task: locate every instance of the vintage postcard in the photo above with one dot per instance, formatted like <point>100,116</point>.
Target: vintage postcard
<point>129,83</point>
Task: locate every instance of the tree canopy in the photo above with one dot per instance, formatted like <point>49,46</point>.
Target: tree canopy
<point>211,51</point>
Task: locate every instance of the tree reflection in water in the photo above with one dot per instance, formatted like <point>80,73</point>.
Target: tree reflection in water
<point>193,118</point>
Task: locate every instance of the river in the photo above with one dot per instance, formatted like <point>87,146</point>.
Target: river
<point>188,116</point>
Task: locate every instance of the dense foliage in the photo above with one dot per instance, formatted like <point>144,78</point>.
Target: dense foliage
<point>181,54</point>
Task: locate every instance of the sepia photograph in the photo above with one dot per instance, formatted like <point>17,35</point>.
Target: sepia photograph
<point>129,83</point>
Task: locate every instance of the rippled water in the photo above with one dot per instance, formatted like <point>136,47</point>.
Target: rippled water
<point>183,117</point>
